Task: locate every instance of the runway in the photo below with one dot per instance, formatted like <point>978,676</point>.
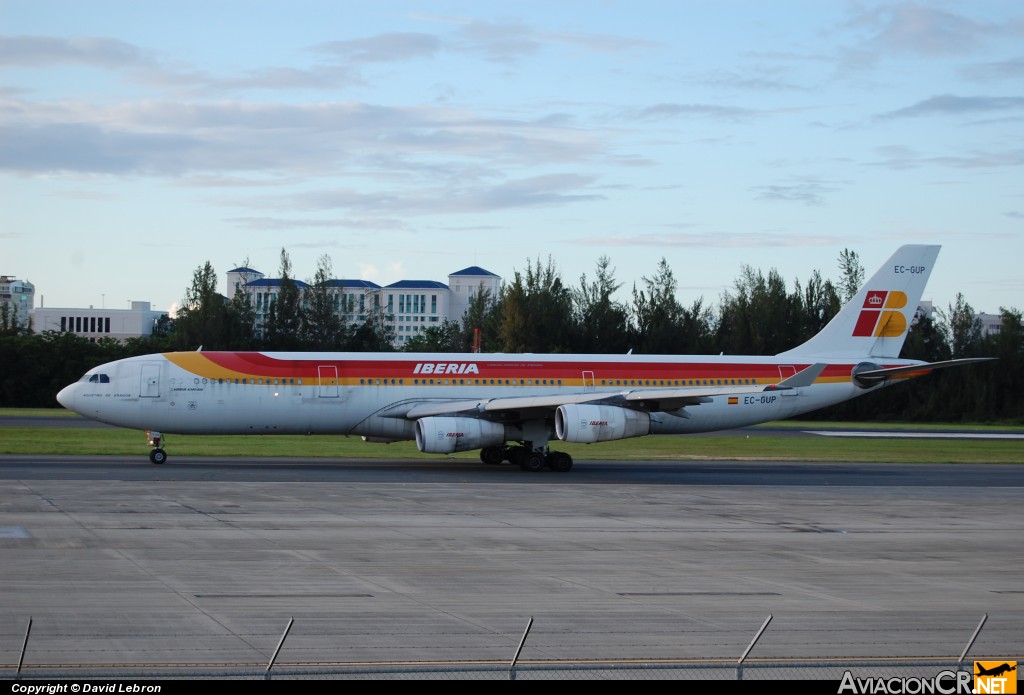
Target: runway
<point>462,471</point>
<point>206,560</point>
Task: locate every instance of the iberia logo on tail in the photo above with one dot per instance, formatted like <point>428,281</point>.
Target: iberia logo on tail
<point>880,317</point>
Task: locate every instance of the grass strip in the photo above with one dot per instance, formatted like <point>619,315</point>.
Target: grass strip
<point>92,441</point>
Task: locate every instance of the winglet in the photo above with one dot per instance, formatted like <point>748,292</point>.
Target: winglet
<point>804,377</point>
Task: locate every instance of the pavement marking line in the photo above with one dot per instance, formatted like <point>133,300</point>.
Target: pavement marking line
<point>917,435</point>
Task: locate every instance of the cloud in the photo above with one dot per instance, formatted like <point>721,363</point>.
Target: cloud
<point>277,224</point>
<point>284,140</point>
<point>809,193</point>
<point>751,81</point>
<point>316,78</point>
<point>87,195</point>
<point>142,66</point>
<point>389,47</point>
<point>952,104</point>
<point>368,271</point>
<point>502,42</point>
<point>714,240</point>
<point>508,41</point>
<point>65,147</point>
<point>537,191</point>
<point>898,157</point>
<point>505,41</point>
<point>909,27</point>
<point>552,189</point>
<point>47,51</point>
<point>498,42</point>
<point>601,43</point>
<point>670,111</point>
<point>220,181</point>
<point>1012,69</point>
<point>919,30</point>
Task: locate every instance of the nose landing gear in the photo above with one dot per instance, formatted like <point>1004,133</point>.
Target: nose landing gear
<point>157,454</point>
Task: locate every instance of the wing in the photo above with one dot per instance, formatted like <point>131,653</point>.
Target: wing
<point>669,400</point>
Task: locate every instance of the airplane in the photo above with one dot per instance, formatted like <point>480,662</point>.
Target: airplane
<point>511,406</point>
<point>996,671</point>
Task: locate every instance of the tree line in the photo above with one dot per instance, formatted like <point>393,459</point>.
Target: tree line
<point>536,311</point>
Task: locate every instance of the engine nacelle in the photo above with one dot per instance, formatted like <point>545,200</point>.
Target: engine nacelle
<point>445,435</point>
<point>586,424</point>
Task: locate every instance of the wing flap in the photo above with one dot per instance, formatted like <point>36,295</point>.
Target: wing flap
<point>427,409</point>
<point>647,400</point>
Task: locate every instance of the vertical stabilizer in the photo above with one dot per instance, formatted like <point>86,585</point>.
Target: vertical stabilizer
<point>875,322</point>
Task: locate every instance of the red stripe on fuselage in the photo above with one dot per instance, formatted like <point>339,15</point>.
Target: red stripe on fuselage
<point>255,364</point>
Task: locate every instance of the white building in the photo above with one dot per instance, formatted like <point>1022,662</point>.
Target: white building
<point>239,278</point>
<point>19,298</point>
<point>262,293</point>
<point>413,306</point>
<point>409,307</point>
<point>467,283</point>
<point>93,323</point>
<point>991,324</point>
<point>925,310</point>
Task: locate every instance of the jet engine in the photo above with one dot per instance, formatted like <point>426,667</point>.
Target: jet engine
<point>586,424</point>
<point>445,435</point>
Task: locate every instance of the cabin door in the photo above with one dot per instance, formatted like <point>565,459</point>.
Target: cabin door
<point>588,382</point>
<point>149,386</point>
<point>328,381</point>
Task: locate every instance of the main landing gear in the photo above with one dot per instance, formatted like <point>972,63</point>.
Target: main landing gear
<point>157,454</point>
<point>528,459</point>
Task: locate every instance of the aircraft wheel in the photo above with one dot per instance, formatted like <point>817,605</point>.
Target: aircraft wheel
<point>532,461</point>
<point>157,455</point>
<point>560,461</point>
<point>492,455</point>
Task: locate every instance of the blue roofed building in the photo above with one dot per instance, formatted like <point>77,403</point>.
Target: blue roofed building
<point>356,300</point>
<point>464,285</point>
<point>416,305</point>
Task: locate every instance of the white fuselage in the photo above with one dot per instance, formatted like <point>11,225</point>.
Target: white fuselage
<point>371,394</point>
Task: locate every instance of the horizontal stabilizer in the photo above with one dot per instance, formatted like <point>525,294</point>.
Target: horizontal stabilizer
<point>886,372</point>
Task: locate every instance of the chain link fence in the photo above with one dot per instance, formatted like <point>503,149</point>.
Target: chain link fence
<point>948,668</point>
<point>710,670</point>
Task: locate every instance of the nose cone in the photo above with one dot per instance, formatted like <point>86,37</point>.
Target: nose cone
<point>66,397</point>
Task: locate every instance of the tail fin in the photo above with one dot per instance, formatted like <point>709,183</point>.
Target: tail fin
<point>875,322</point>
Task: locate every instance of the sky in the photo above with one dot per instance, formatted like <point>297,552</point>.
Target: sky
<point>405,140</point>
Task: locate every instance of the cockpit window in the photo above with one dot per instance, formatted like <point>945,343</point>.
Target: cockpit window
<point>96,378</point>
